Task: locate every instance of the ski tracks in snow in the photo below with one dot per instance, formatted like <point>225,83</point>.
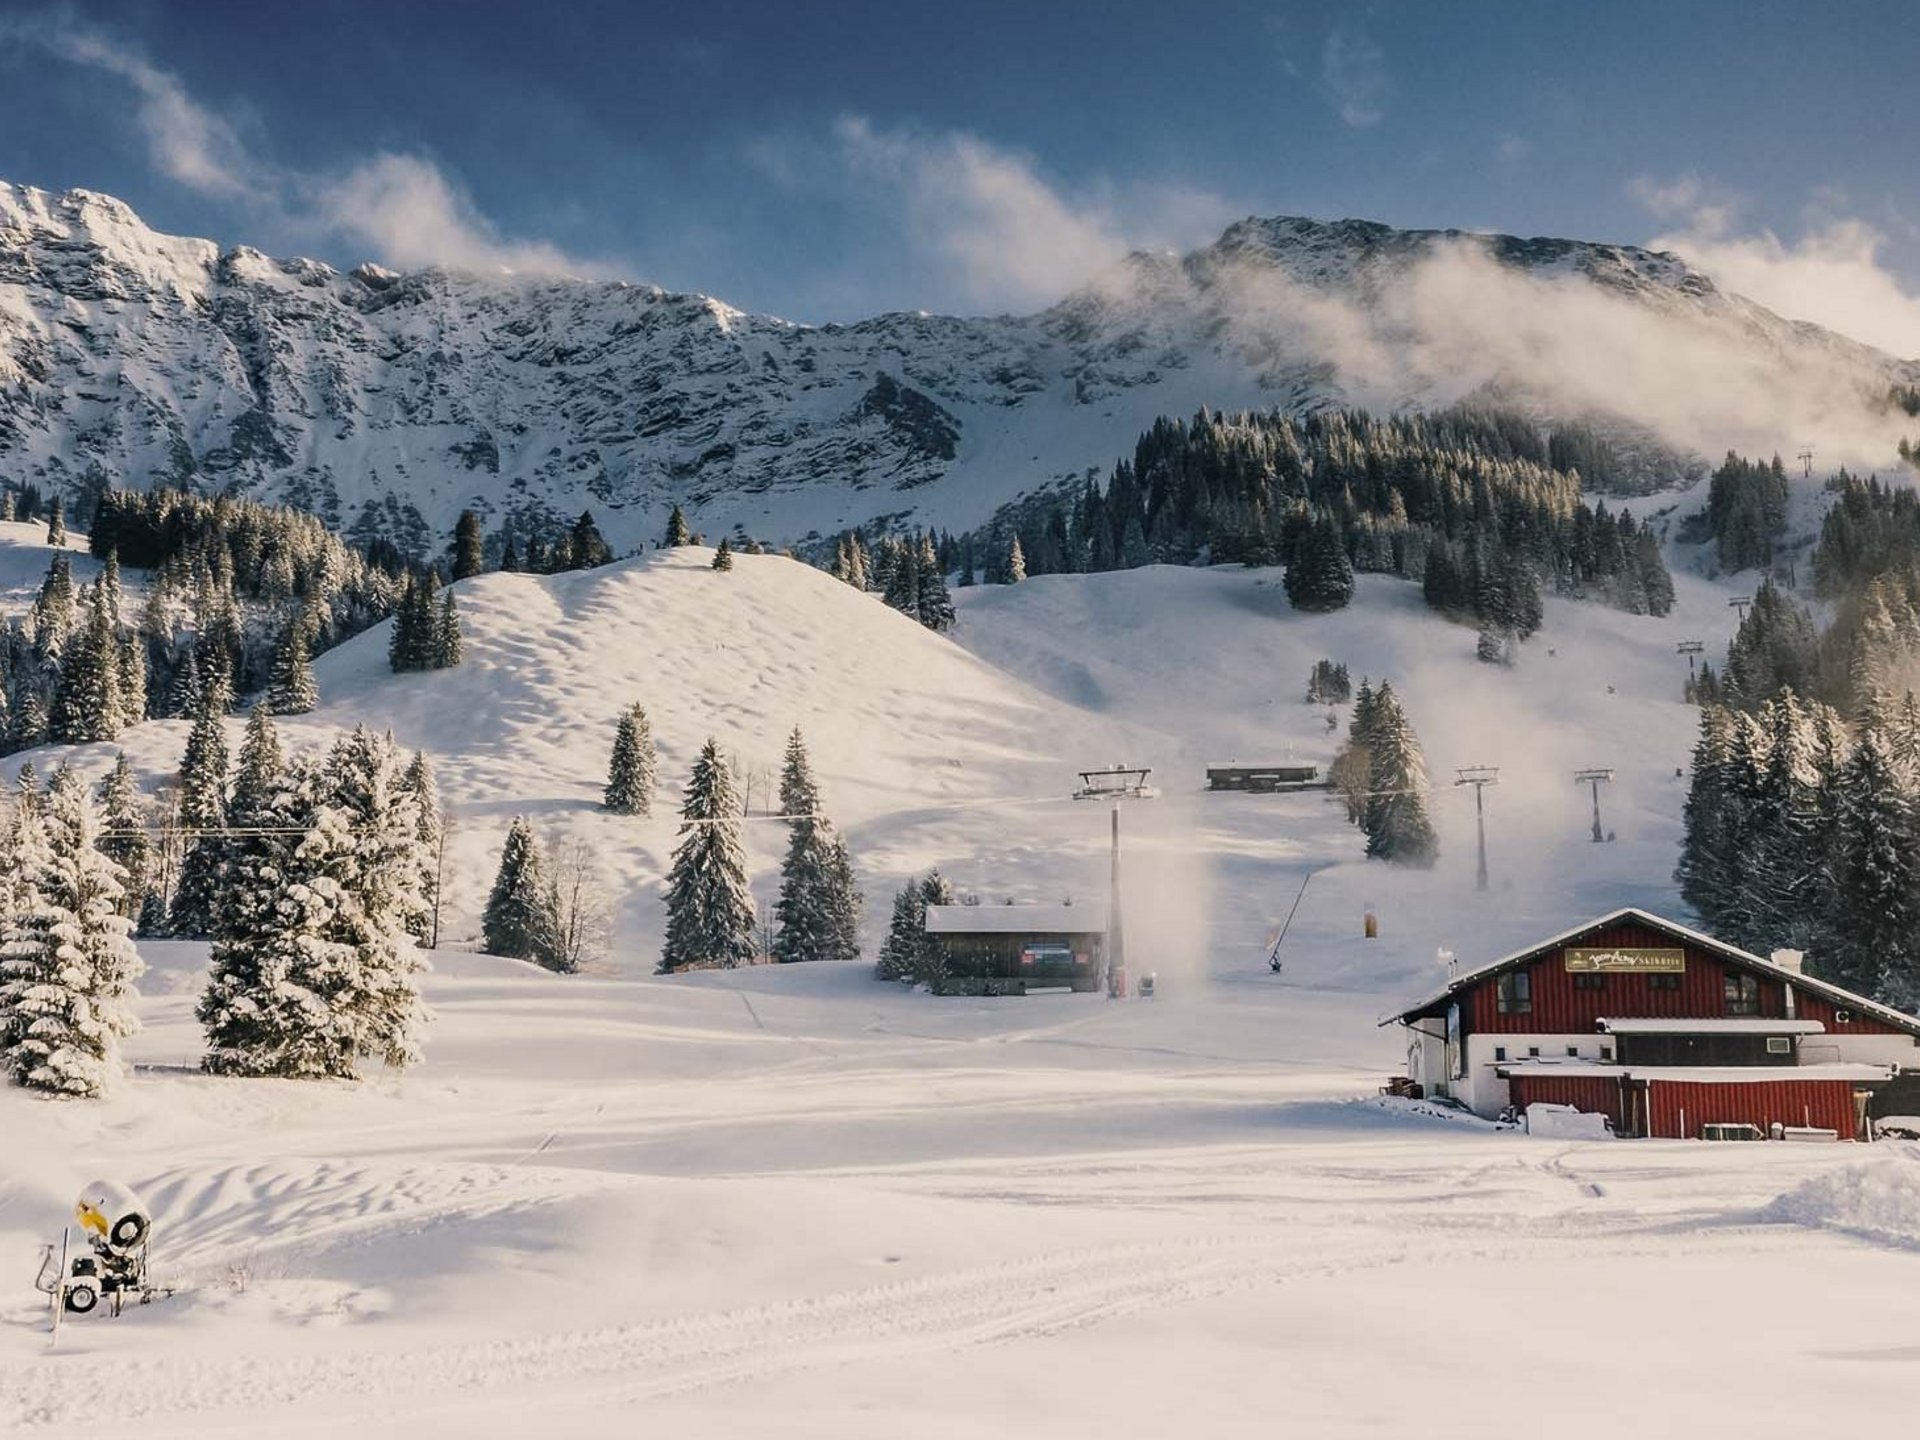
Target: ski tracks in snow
<point>952,1310</point>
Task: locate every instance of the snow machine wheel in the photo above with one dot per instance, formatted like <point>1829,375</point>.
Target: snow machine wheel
<point>83,1297</point>
<point>128,1231</point>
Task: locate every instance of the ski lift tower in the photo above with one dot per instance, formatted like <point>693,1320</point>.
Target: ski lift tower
<point>1690,648</point>
<point>1740,603</point>
<point>1479,777</point>
<point>1595,778</point>
<point>1115,785</point>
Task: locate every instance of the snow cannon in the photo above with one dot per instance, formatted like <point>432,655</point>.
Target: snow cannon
<point>113,1265</point>
<point>112,1217</point>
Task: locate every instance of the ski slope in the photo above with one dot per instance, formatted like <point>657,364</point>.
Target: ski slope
<point>796,1202</point>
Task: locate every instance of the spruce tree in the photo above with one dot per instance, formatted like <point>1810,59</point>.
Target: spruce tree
<point>124,839</point>
<point>816,877</point>
<point>132,665</point>
<point>57,523</point>
<point>68,966</point>
<point>469,546</point>
<point>429,834</point>
<point>1396,812</point>
<point>908,952</point>
<point>290,684</point>
<point>934,602</point>
<point>86,705</point>
<point>203,815</point>
<point>709,907</point>
<point>1016,562</point>
<point>677,532</point>
<point>446,635</point>
<point>518,920</point>
<point>723,555</point>
<point>587,547</point>
<point>1320,579</point>
<point>630,772</point>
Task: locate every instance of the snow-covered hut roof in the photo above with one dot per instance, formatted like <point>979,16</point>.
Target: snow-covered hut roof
<point>1745,958</point>
<point>1017,919</point>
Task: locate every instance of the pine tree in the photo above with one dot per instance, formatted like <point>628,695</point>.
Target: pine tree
<point>446,635</point>
<point>723,556</point>
<point>68,966</point>
<point>518,921</point>
<point>934,604</point>
<point>1016,562</point>
<point>909,953</point>
<point>1320,579</point>
<point>290,684</point>
<point>429,835</point>
<point>1396,813</point>
<point>630,774</point>
<point>203,815</point>
<point>1707,863</point>
<point>709,906</point>
<point>57,523</point>
<point>186,692</point>
<point>816,877</point>
<point>677,532</point>
<point>124,839</point>
<point>1877,944</point>
<point>587,547</point>
<point>86,705</point>
<point>469,546</point>
<point>132,665</point>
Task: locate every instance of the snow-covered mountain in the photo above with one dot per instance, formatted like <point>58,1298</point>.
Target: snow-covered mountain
<point>388,402</point>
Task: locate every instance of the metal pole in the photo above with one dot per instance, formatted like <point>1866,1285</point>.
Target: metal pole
<point>1480,816</point>
<point>1116,939</point>
<point>1598,836</point>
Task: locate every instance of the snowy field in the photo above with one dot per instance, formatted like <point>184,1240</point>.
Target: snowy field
<point>795,1202</point>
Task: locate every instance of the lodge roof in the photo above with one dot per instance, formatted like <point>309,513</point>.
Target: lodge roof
<point>1633,913</point>
<point>1017,919</point>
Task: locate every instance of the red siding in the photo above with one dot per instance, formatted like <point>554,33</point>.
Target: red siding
<point>1824,1103</point>
<point>1560,1009</point>
<point>1815,1007</point>
<point>1596,1094</point>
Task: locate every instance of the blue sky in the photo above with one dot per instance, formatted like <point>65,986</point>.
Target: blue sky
<point>827,160</point>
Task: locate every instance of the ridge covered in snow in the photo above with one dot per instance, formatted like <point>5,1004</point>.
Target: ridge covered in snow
<point>388,402</point>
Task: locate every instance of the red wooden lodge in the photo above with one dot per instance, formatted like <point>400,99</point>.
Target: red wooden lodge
<point>1667,1032</point>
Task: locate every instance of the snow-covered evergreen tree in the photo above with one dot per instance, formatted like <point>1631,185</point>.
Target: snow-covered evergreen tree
<point>630,773</point>
<point>816,877</point>
<point>1396,814</point>
<point>935,602</point>
<point>131,659</point>
<point>1016,562</point>
<point>203,816</point>
<point>677,532</point>
<point>1876,947</point>
<point>723,555</point>
<point>709,906</point>
<point>429,834</point>
<point>908,952</point>
<point>57,523</point>
<point>87,704</point>
<point>68,966</point>
<point>1320,577</point>
<point>447,644</point>
<point>124,838</point>
<point>518,920</point>
<point>291,689</point>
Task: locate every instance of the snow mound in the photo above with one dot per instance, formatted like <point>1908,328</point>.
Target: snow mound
<point>1878,1200</point>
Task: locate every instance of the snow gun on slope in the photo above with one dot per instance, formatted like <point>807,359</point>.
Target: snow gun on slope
<point>116,1228</point>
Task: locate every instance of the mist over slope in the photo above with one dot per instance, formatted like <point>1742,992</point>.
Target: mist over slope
<point>387,403</point>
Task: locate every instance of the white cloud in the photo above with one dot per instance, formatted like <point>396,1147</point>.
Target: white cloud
<point>1005,236</point>
<point>1832,275</point>
<point>1354,70</point>
<point>403,207</point>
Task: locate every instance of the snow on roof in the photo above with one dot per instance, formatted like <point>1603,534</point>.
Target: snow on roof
<point>1697,1074</point>
<point>1841,997</point>
<point>1739,1026</point>
<point>1017,919</point>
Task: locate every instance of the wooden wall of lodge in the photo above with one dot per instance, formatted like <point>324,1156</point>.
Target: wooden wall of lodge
<point>1825,1104</point>
<point>1560,1009</point>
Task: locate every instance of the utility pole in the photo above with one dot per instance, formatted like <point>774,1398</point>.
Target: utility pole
<point>1115,785</point>
<point>1595,778</point>
<point>1479,777</point>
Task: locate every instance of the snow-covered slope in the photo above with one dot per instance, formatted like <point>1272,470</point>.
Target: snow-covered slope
<point>794,1201</point>
<point>387,402</point>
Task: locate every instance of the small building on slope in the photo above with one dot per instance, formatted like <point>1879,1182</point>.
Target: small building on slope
<point>1019,949</point>
<point>1665,1031</point>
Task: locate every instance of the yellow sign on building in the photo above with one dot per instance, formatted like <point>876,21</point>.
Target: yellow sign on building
<point>1635,959</point>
